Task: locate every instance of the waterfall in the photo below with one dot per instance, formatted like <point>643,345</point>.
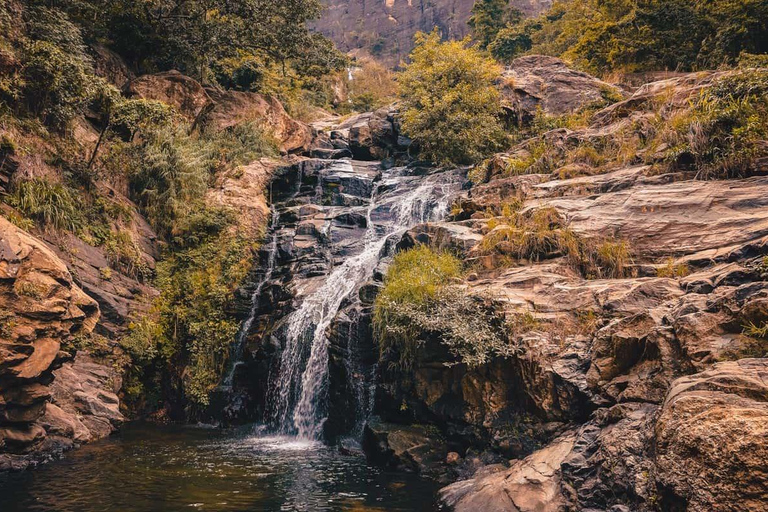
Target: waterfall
<point>242,334</point>
<point>399,201</point>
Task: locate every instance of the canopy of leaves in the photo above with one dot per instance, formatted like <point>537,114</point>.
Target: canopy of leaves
<point>489,17</point>
<point>640,35</point>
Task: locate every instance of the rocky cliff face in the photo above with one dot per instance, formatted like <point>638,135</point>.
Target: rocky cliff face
<point>48,400</point>
<point>636,391</point>
<point>385,28</point>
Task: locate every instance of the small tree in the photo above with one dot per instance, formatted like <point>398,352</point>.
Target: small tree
<point>489,17</point>
<point>451,104</point>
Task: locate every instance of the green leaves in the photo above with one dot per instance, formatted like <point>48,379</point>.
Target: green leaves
<point>450,101</point>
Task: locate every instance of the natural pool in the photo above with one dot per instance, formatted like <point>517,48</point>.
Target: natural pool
<point>149,468</point>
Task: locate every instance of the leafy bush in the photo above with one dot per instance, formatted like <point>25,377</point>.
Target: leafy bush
<point>55,83</point>
<point>450,102</point>
<point>622,35</point>
<point>50,204</point>
<point>372,87</point>
<point>190,331</point>
<point>419,300</point>
<point>725,130</point>
<point>489,17</point>
<point>171,170</point>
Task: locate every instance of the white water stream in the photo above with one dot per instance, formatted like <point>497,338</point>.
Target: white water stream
<point>298,399</point>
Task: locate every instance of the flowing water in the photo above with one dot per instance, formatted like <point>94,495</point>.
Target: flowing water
<point>399,201</point>
<point>283,467</point>
<point>152,469</point>
<point>237,353</point>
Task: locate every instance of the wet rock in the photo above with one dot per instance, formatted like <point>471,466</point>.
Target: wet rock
<point>404,448</point>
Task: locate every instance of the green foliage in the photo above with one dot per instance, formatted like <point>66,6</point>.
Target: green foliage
<point>450,104</point>
<point>171,170</point>
<point>55,84</point>
<point>189,333</point>
<point>628,35</point>
<point>124,254</point>
<point>489,17</point>
<point>420,300</point>
<point>510,43</point>
<point>50,204</point>
<point>132,116</point>
<point>372,87</point>
<point>726,128</point>
<point>194,36</point>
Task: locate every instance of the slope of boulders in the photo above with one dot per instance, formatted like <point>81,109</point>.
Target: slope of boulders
<point>634,295</point>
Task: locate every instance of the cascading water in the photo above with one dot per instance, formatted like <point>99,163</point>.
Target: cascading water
<point>398,202</point>
<point>242,334</point>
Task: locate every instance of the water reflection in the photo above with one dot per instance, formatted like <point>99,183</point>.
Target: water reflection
<point>147,468</point>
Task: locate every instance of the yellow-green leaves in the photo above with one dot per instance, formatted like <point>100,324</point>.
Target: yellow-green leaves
<point>450,101</point>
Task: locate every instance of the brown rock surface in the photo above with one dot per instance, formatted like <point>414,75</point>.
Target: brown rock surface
<point>711,439</point>
<point>41,308</point>
<point>171,87</point>
<point>631,368</point>
<point>234,107</point>
<point>529,485</point>
<point>548,83</point>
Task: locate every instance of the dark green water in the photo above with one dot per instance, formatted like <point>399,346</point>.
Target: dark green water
<point>149,468</point>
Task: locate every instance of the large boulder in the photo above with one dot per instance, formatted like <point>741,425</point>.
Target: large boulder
<point>540,82</point>
<point>529,485</point>
<point>109,65</point>
<point>183,93</point>
<point>235,107</point>
<point>711,449</point>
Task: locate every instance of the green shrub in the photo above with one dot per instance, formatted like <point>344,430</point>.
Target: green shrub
<point>725,129</point>
<point>642,35</point>
<point>50,204</point>
<point>450,104</point>
<point>56,85</point>
<point>419,299</point>
<point>124,254</point>
<point>190,330</point>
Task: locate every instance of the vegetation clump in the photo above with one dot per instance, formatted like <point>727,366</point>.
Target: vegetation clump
<point>541,234</point>
<point>633,36</point>
<point>421,300</point>
<point>450,103</point>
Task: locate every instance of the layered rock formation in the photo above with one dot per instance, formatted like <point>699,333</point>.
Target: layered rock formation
<point>42,310</point>
<point>385,28</point>
<point>637,391</point>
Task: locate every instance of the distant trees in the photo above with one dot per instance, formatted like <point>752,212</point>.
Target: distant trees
<point>489,17</point>
<point>638,35</point>
<point>192,35</point>
<point>450,103</point>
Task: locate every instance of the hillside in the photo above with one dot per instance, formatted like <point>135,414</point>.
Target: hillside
<point>384,29</point>
<point>525,271</point>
